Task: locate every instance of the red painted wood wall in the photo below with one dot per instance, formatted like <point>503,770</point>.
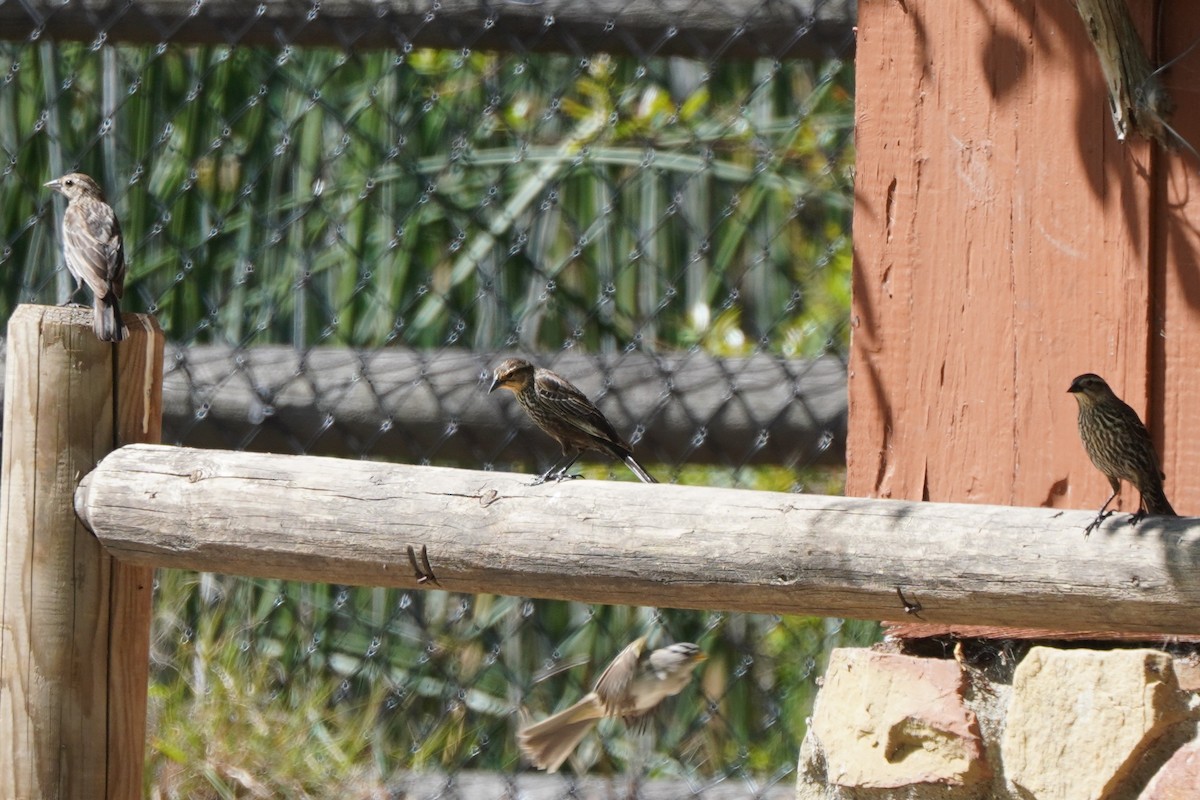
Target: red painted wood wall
<point>1005,242</point>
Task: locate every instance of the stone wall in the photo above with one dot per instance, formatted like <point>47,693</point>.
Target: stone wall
<point>1057,724</point>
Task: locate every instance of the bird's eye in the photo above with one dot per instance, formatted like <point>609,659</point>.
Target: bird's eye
<point>70,183</point>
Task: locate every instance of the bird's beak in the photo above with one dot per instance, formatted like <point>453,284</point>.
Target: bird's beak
<point>54,184</point>
<point>495,384</point>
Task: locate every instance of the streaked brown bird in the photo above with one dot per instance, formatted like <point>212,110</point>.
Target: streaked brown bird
<point>93,250</point>
<point>630,687</point>
<point>1119,445</point>
<point>564,412</point>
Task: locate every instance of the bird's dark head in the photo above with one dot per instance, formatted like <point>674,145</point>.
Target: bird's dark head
<point>1089,387</point>
<point>74,185</point>
<point>511,374</point>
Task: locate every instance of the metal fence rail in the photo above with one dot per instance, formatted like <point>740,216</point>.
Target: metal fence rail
<point>703,29</point>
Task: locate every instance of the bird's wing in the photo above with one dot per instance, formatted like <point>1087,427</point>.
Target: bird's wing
<point>1141,442</point>
<point>93,235</point>
<point>576,410</point>
<point>614,682</point>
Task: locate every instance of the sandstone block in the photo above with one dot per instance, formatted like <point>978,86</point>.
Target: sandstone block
<point>1080,720</point>
<point>885,721</point>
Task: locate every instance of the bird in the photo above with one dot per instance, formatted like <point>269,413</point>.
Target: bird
<point>1119,445</point>
<point>94,251</point>
<point>564,412</point>
<point>630,687</point>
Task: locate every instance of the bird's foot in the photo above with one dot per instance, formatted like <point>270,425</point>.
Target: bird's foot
<point>1137,516</point>
<point>73,304</point>
<point>557,477</point>
<point>1094,524</point>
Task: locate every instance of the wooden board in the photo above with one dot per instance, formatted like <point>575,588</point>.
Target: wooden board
<point>1002,246</point>
<point>74,638</point>
<point>1005,242</point>
<point>1175,318</point>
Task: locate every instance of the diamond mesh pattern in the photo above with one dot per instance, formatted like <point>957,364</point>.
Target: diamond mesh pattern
<point>343,215</point>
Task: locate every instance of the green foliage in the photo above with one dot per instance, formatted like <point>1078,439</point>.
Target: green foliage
<point>355,198</point>
<point>430,199</point>
<point>294,689</point>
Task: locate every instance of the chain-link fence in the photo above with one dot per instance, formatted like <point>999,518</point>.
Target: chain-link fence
<point>341,232</point>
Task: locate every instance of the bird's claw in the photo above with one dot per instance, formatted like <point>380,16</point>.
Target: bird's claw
<point>557,477</point>
<point>424,572</point>
<point>1137,517</point>
<point>1095,524</point>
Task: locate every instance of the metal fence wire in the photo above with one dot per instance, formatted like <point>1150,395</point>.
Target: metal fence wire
<point>343,216</point>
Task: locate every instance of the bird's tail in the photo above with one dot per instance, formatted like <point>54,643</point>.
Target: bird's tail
<point>638,469</point>
<point>1154,499</point>
<point>547,744</point>
<point>106,319</point>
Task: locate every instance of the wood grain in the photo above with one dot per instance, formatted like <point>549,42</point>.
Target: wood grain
<point>1136,99</point>
<point>910,631</point>
<point>75,632</point>
<point>351,522</point>
<point>1003,245</point>
<point>1175,318</point>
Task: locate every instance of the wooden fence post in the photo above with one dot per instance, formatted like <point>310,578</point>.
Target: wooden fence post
<point>75,625</point>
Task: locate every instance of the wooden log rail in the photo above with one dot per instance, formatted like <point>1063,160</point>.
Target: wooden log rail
<point>352,522</point>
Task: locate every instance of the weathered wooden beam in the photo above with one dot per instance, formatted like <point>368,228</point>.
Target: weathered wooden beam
<point>352,522</point>
<point>702,29</point>
<point>74,622</point>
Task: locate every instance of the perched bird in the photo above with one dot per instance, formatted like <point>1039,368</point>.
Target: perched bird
<point>565,413</point>
<point>1120,447</point>
<point>93,251</point>
<point>630,687</point>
